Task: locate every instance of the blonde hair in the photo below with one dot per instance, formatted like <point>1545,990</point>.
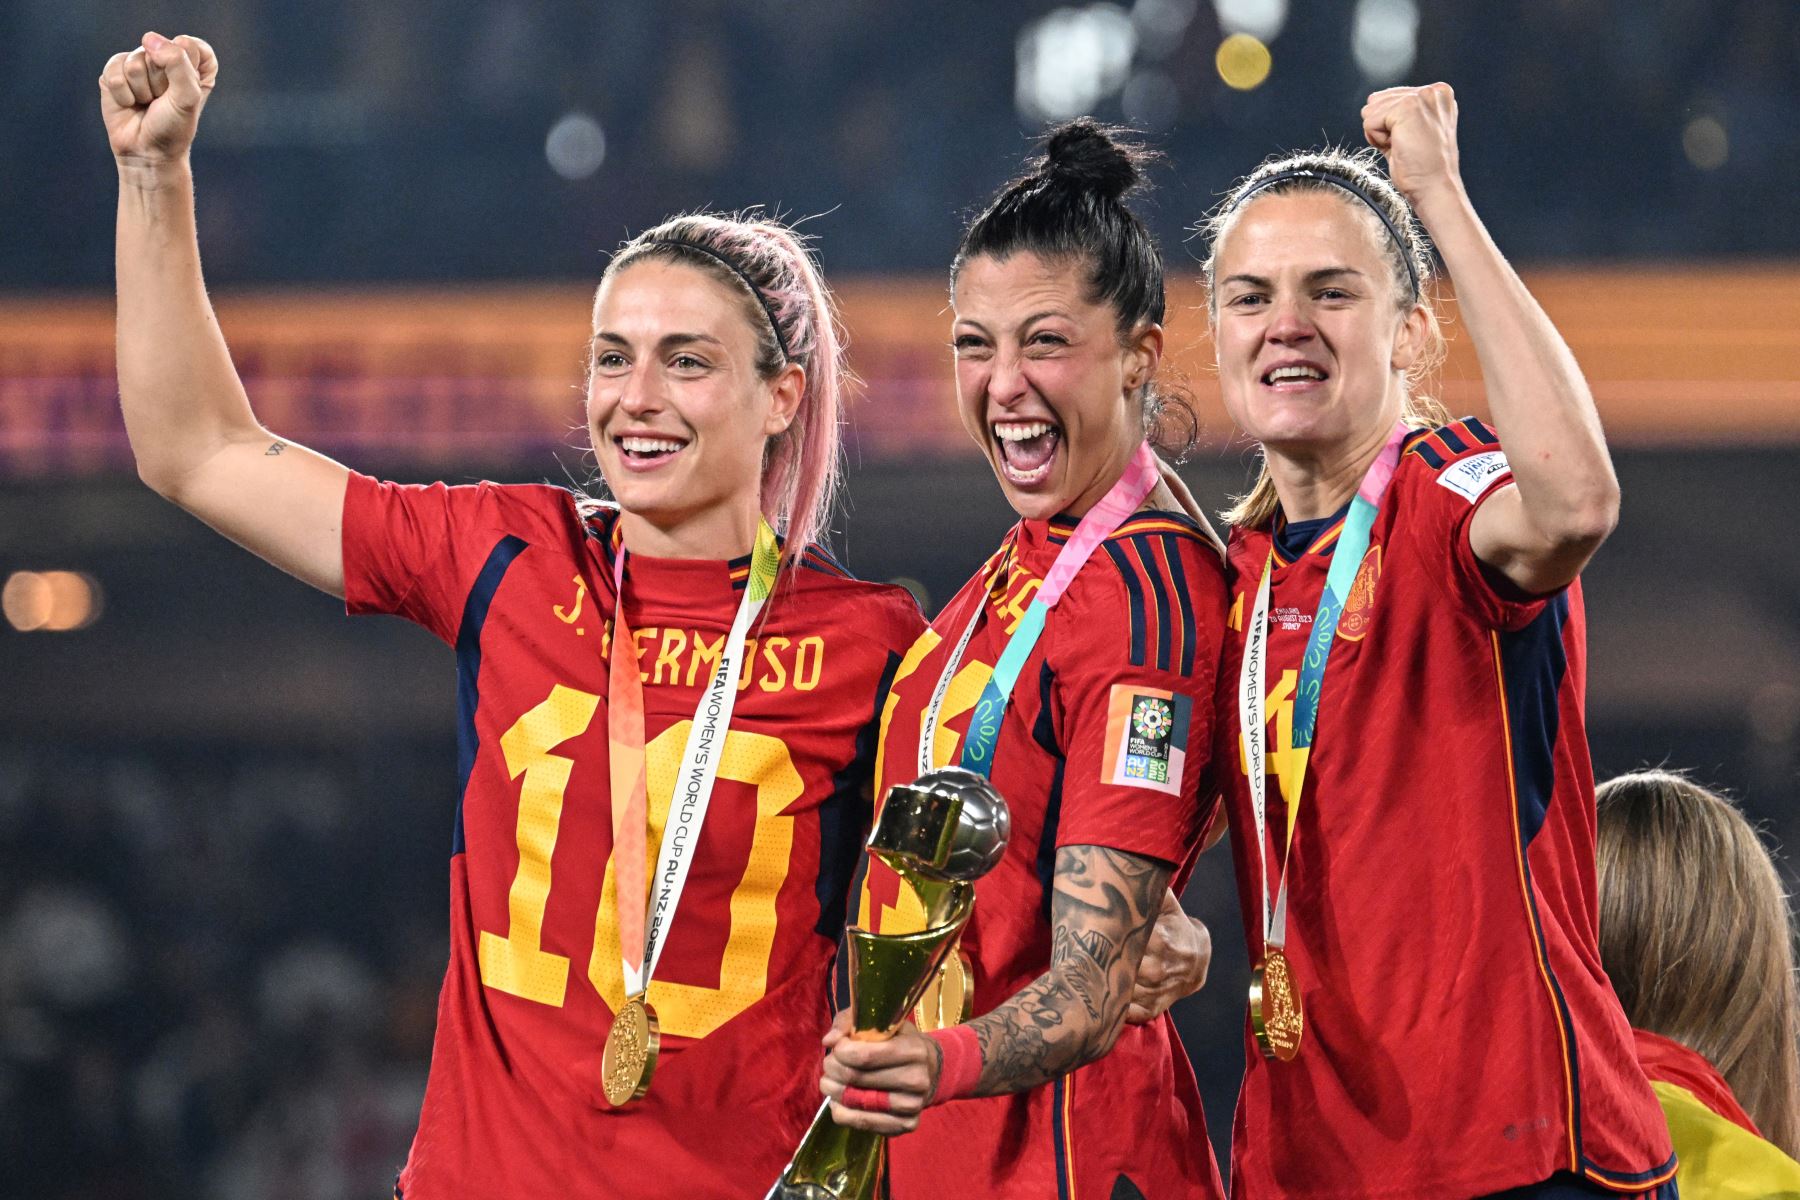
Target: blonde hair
<point>1408,259</point>
<point>1695,933</point>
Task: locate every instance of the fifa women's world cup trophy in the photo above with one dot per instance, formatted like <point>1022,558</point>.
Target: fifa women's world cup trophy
<point>939,834</point>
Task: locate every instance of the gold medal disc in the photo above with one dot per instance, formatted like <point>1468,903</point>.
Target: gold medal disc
<point>630,1055</point>
<point>1275,1013</point>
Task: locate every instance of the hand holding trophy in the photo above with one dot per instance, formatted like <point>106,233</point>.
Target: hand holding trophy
<point>939,834</point>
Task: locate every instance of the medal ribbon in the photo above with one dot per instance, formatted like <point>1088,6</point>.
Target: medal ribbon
<point>1100,523</point>
<point>645,908</point>
<point>1346,559</point>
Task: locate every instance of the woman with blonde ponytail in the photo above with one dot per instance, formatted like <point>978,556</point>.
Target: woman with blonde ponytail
<point>1696,935</point>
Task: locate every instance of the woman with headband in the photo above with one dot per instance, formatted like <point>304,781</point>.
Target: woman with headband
<point>626,998</point>
<point>1412,806</point>
<point>1089,642</point>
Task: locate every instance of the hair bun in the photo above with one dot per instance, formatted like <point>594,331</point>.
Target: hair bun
<point>1094,157</point>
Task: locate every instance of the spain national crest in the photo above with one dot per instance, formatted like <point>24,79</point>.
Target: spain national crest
<point>1359,606</point>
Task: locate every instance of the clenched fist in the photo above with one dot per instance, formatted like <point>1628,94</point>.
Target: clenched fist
<point>151,97</point>
<point>1415,127</point>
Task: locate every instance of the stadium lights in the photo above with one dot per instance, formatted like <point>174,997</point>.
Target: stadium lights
<point>1385,39</point>
<point>1261,19</point>
<point>575,146</point>
<point>1243,62</point>
<point>1706,143</point>
<point>50,601</point>
<point>1071,59</point>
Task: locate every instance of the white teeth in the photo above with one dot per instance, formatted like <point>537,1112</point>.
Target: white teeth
<point>1281,373</point>
<point>1022,431</point>
<point>644,445</point>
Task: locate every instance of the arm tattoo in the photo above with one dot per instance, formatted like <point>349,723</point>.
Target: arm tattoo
<point>1104,907</point>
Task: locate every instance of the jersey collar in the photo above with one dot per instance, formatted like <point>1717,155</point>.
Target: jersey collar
<point>1322,541</point>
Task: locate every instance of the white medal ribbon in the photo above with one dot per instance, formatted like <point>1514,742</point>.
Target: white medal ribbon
<point>1252,689</point>
<point>693,793</point>
<point>1346,561</point>
<point>928,735</point>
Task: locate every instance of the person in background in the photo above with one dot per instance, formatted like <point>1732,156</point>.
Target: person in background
<point>1412,809</point>
<point>1696,935</point>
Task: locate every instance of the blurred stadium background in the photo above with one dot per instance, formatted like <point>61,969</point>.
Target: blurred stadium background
<point>225,810</point>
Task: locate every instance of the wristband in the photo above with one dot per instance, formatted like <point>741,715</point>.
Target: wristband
<point>961,1066</point>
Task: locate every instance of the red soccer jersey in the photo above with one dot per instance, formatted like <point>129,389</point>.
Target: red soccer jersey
<point>520,582</point>
<point>1461,1037</point>
<point>1106,742</point>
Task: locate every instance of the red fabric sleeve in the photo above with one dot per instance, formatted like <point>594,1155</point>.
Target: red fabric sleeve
<point>1135,724</point>
<point>414,550</point>
<point>1440,507</point>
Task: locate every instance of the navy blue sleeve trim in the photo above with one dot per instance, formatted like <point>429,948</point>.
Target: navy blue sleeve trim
<point>1164,618</point>
<point>1448,436</point>
<point>1429,455</point>
<point>468,667</point>
<point>1134,594</point>
<point>1044,734</point>
<point>1480,432</point>
<point>820,559</point>
<point>1184,602</point>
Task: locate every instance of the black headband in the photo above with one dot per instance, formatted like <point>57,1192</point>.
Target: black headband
<point>1354,189</point>
<point>768,309</point>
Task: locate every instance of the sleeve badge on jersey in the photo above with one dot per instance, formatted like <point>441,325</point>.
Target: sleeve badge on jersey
<point>1470,477</point>
<point>1146,738</point>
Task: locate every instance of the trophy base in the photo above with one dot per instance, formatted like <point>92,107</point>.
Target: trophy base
<point>835,1163</point>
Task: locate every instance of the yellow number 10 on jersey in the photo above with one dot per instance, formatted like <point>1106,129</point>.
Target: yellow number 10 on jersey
<point>519,965</point>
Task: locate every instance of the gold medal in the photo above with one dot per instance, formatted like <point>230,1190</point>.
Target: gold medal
<point>630,1055</point>
<point>949,998</point>
<point>1275,1013</point>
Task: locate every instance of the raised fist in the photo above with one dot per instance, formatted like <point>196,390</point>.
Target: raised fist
<point>1415,127</point>
<point>151,97</point>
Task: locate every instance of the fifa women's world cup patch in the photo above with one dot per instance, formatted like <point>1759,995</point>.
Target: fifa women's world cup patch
<point>1146,738</point>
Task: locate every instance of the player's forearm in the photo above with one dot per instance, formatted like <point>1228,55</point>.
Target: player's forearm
<point>1539,397</point>
<point>1105,905</point>
<point>1046,1030</point>
<point>180,394</point>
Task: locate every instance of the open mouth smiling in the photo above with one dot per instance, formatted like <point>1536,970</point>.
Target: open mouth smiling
<point>1027,449</point>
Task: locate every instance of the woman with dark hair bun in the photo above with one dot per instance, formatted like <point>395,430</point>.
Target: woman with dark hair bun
<point>1412,805</point>
<point>1104,674</point>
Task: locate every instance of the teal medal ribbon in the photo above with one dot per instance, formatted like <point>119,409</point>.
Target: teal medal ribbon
<point>1346,560</point>
<point>1100,523</point>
